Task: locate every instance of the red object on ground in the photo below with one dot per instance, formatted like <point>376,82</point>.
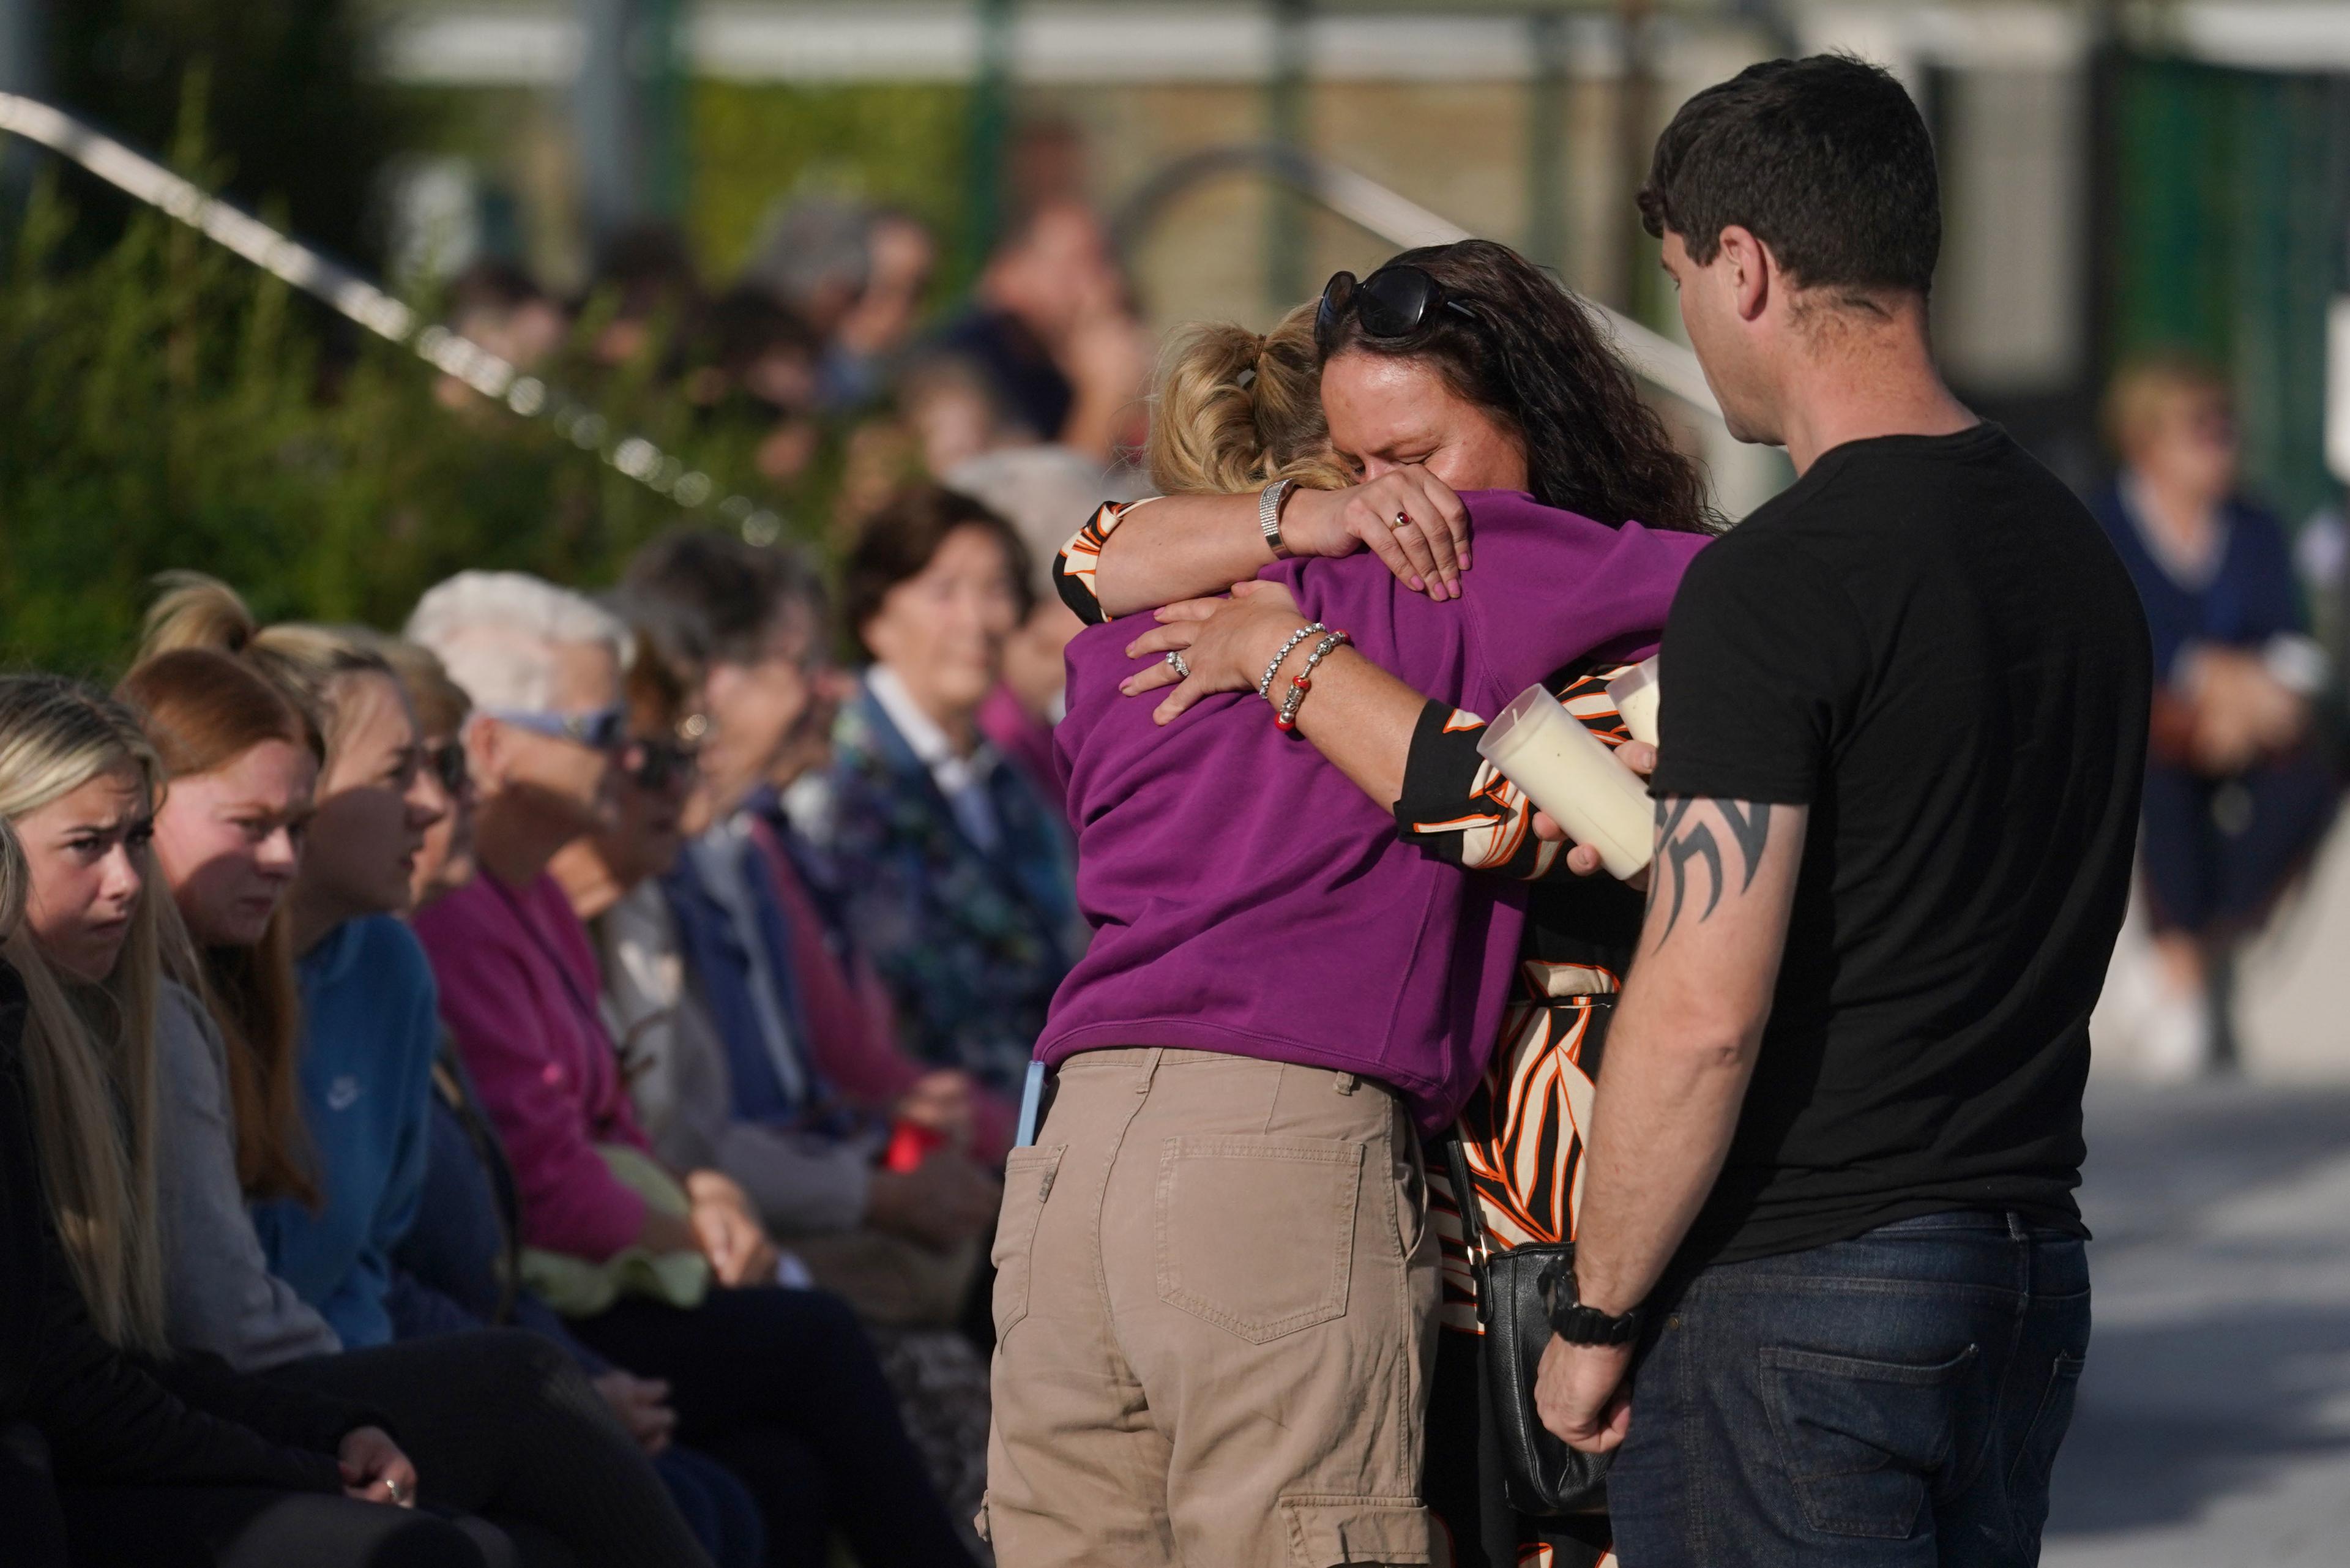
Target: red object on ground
<point>910,1144</point>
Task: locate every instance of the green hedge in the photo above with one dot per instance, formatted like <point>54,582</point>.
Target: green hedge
<point>902,144</point>
<point>167,405</point>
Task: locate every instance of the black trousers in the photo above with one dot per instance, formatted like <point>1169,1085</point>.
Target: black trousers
<point>46,1525</point>
<point>783,1387</point>
<point>30,1520</point>
<point>248,1527</point>
<point>501,1423</point>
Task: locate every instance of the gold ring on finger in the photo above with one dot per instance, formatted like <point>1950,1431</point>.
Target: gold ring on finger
<point>1402,520</point>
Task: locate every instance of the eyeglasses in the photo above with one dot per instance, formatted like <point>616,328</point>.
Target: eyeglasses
<point>1393,302</point>
<point>605,730</point>
<point>447,761</point>
<point>655,764</point>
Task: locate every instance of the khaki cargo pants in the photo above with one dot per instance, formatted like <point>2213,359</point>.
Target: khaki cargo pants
<point>1215,1322</point>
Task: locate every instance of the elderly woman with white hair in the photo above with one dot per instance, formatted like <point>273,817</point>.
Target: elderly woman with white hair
<point>668,1273</point>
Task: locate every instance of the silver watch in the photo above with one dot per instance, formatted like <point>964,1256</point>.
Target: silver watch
<point>1268,515</point>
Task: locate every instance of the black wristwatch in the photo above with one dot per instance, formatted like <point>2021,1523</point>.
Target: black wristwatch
<point>1579,1324</point>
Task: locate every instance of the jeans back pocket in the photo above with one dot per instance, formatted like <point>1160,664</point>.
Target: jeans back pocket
<point>2035,1457</point>
<point>1862,1440</point>
<point>1256,1235</point>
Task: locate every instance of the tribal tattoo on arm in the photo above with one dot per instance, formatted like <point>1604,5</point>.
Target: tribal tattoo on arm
<point>1686,841</point>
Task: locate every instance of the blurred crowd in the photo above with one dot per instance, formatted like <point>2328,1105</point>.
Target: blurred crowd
<point>832,330</point>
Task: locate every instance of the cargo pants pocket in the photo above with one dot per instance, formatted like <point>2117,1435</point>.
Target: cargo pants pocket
<point>1326,1531</point>
<point>1028,1175</point>
<point>1254,1234</point>
<point>1862,1440</point>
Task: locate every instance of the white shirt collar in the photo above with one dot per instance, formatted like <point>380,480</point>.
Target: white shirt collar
<point>963,780</point>
<point>921,731</point>
<point>2191,573</point>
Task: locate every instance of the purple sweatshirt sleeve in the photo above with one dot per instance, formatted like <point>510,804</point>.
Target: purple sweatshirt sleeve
<point>1549,588</point>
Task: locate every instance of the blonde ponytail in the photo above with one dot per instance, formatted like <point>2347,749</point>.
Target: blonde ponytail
<point>306,662</point>
<point>196,611</point>
<point>1234,411</point>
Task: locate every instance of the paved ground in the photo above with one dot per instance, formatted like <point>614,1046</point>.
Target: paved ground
<point>2214,1421</point>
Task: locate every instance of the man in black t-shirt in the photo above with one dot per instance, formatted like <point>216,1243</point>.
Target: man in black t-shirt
<point>1829,1190</point>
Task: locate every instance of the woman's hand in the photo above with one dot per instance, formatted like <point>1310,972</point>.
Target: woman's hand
<point>642,1405</point>
<point>945,1201</point>
<point>1226,643</point>
<point>946,1102</point>
<point>730,1235</point>
<point>2242,712</point>
<point>1429,550</point>
<point>374,1469</point>
<point>1581,859</point>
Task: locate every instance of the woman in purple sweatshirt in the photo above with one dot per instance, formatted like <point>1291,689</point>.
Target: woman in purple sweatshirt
<point>1221,1229</point>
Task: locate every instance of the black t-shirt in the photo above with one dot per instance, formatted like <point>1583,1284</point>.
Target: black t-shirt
<point>1927,641</point>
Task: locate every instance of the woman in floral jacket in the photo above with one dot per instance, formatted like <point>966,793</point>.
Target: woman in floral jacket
<point>952,873</point>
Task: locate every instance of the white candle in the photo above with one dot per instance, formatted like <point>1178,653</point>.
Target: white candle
<point>1573,775</point>
<point>1638,693</point>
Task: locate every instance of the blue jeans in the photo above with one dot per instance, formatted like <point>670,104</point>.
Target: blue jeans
<point>1893,1401</point>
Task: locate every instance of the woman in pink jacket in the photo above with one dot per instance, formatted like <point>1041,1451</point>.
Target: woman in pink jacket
<point>778,1384</point>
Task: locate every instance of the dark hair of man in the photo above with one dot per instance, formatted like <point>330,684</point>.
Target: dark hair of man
<point>1531,355</point>
<point>659,685</point>
<point>899,541</point>
<point>744,323</point>
<point>702,597</point>
<point>491,283</point>
<point>1824,159</point>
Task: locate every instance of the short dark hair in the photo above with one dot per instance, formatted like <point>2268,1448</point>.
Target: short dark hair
<point>1824,159</point>
<point>898,542</point>
<point>491,284</point>
<point>700,596</point>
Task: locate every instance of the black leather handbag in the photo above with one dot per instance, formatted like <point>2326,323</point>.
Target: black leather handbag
<point>1540,1475</point>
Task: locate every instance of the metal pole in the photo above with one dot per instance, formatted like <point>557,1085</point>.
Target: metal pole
<point>666,83</point>
<point>1635,110</point>
<point>990,134</point>
<point>1546,140</point>
<point>1285,106</point>
<point>22,64</point>
<point>607,117</point>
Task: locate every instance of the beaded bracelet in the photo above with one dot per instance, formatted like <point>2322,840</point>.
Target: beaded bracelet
<point>1264,686</point>
<point>1303,681</point>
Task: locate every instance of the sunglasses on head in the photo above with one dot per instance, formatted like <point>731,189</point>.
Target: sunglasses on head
<point>655,764</point>
<point>604,730</point>
<point>1393,302</point>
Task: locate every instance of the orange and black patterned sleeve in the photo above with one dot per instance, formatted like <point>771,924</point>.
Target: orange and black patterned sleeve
<point>1073,568</point>
<point>1457,806</point>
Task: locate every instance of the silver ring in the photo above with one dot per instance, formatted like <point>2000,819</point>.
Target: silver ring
<point>1402,520</point>
<point>392,1487</point>
<point>1175,663</point>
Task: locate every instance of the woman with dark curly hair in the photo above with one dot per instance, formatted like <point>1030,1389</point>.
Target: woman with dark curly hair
<point>1231,1359</point>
